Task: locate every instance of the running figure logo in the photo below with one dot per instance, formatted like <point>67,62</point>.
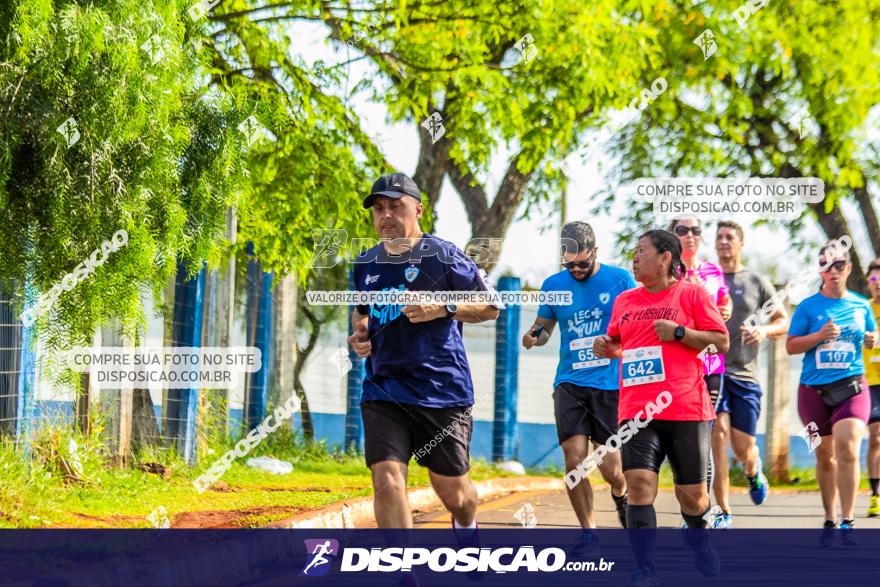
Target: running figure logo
<point>706,42</point>
<point>810,434</point>
<point>321,553</point>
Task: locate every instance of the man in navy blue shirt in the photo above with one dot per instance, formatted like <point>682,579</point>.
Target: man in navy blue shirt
<point>418,392</point>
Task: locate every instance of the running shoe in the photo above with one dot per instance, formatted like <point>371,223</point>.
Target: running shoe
<point>721,521</point>
<point>847,536</point>
<point>827,537</point>
<point>468,538</point>
<point>586,547</point>
<point>874,508</point>
<point>758,486</point>
<point>620,503</point>
<point>644,576</point>
<point>705,557</point>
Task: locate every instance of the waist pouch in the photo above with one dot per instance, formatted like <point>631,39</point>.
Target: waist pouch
<point>837,392</point>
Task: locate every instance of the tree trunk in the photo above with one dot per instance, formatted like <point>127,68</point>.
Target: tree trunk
<point>869,215</point>
<point>301,358</point>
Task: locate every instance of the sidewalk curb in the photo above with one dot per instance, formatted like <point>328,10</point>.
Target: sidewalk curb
<point>358,512</point>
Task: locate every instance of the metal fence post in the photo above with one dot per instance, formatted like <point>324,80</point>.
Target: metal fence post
<point>506,376</point>
<point>259,313</point>
<point>183,404</point>
<point>354,434</point>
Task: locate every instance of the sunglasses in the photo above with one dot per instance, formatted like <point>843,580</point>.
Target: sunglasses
<point>579,264</point>
<point>837,266</point>
<point>682,230</point>
<point>874,278</point>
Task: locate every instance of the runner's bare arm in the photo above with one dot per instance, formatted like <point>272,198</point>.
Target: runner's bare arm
<point>476,313</point>
<point>795,345</point>
<point>775,329</point>
<point>548,324</point>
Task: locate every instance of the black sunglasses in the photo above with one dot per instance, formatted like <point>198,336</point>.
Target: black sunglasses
<point>582,264</point>
<point>579,264</point>
<point>837,265</point>
<point>682,230</point>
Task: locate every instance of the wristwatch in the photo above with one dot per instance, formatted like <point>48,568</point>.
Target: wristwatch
<point>679,332</point>
<point>451,309</point>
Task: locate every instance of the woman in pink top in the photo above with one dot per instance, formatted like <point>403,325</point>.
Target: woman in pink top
<point>711,277</point>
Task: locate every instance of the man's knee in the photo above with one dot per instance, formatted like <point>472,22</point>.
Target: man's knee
<point>639,488</point>
<point>456,496</point>
<point>692,500</point>
<point>743,446</point>
<point>387,477</point>
<point>573,458</point>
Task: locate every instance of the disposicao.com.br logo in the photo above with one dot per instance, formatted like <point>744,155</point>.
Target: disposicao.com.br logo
<point>322,553</point>
<point>444,559</point>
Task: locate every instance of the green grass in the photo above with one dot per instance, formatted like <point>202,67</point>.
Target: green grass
<point>37,494</point>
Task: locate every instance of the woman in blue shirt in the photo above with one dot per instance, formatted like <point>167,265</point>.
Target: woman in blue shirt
<point>830,328</point>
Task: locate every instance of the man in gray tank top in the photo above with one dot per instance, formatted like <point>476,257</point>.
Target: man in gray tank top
<point>739,401</point>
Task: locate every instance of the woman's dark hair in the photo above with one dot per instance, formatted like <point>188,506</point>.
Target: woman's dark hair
<point>836,250</point>
<point>839,253</point>
<point>664,241</point>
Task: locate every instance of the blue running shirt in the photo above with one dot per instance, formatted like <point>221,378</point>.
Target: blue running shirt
<point>833,360</point>
<point>586,318</point>
<point>417,363</point>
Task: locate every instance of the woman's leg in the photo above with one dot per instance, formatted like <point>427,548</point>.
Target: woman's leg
<point>826,476</point>
<point>847,437</point>
<point>816,416</point>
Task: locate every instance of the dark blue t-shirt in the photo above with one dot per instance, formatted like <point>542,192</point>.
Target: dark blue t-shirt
<point>422,363</point>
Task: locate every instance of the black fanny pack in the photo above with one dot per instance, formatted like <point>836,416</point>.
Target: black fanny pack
<point>837,392</point>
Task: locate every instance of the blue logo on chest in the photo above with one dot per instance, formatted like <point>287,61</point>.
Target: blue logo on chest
<point>411,273</point>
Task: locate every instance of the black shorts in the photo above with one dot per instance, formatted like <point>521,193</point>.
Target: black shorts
<point>438,438</point>
<point>875,404</point>
<point>585,410</point>
<point>713,384</point>
<point>686,443</point>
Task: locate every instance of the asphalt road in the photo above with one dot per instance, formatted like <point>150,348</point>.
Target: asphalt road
<point>786,509</point>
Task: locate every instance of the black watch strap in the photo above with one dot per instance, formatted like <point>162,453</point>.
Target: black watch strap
<point>679,332</point>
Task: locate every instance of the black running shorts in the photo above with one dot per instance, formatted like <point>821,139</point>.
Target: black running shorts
<point>438,438</point>
<point>585,410</point>
<point>685,443</point>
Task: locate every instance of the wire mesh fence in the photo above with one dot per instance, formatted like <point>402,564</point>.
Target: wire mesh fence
<point>219,309</point>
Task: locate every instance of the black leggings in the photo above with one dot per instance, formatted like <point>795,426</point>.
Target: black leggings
<point>713,382</point>
<point>686,443</point>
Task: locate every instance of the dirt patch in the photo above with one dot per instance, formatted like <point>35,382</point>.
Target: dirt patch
<point>229,518</point>
<point>225,488</point>
<point>111,521</point>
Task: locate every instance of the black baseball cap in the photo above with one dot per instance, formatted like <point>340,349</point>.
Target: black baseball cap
<point>393,185</point>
